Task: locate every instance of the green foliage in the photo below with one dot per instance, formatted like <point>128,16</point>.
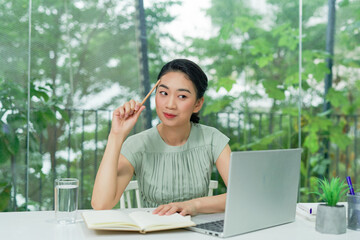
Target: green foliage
<point>217,105</point>
<point>225,82</point>
<point>258,144</point>
<point>273,90</point>
<point>268,55</point>
<point>319,164</point>
<point>331,192</point>
<point>5,189</point>
<point>319,127</point>
<point>249,47</point>
<point>13,127</point>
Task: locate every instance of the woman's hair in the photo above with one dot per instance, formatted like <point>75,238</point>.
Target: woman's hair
<point>193,73</point>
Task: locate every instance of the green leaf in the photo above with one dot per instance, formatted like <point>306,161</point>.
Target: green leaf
<point>244,23</point>
<point>49,115</point>
<point>259,144</point>
<point>64,114</point>
<point>292,111</point>
<point>292,79</point>
<point>317,123</point>
<point>312,142</point>
<point>226,31</point>
<point>5,195</point>
<point>352,63</point>
<point>336,98</point>
<point>342,140</point>
<point>288,37</point>
<point>319,165</point>
<point>318,71</point>
<point>5,154</point>
<point>344,3</point>
<point>331,192</point>
<point>41,93</point>
<point>226,83</point>
<point>260,46</point>
<point>273,90</point>
<point>217,105</point>
<point>13,145</point>
<point>264,60</point>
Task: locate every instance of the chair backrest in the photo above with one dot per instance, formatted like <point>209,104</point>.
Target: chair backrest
<point>125,200</point>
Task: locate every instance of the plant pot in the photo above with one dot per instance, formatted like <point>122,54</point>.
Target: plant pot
<point>331,219</point>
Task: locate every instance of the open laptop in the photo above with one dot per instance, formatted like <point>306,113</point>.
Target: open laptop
<point>262,192</point>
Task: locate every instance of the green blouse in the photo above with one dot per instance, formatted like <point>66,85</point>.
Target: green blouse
<point>173,173</point>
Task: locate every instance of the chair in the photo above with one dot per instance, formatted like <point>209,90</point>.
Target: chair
<point>125,200</point>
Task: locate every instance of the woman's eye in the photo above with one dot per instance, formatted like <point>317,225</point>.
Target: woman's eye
<point>182,96</point>
<point>163,93</point>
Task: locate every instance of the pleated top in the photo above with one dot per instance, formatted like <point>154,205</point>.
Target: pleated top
<point>174,173</point>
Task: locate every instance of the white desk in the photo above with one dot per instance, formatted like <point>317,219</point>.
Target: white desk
<point>42,225</point>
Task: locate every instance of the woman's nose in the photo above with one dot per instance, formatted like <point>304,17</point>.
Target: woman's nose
<point>171,104</point>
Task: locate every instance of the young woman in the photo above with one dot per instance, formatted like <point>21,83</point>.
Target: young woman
<point>172,161</point>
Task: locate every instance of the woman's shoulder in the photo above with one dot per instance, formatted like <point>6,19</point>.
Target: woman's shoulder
<point>141,136</point>
<point>205,129</point>
<point>208,134</point>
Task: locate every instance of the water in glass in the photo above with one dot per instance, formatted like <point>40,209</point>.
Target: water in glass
<point>66,200</point>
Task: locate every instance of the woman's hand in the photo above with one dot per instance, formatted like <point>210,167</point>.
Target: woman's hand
<point>184,208</point>
<point>125,117</point>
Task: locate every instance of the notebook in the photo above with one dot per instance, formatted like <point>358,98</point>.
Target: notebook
<point>262,192</point>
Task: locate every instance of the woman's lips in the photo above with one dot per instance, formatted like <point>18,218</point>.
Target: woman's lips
<point>169,116</point>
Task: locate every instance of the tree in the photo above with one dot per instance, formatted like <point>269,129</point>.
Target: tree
<point>78,49</point>
<point>13,125</point>
<point>260,51</point>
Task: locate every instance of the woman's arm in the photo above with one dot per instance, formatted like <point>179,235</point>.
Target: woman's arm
<point>211,204</point>
<point>115,171</point>
<point>114,174</point>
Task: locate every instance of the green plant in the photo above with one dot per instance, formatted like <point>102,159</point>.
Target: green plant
<point>331,192</point>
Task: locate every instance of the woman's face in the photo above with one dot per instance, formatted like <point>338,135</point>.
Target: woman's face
<point>176,99</point>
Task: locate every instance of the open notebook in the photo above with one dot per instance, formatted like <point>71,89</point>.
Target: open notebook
<point>141,221</point>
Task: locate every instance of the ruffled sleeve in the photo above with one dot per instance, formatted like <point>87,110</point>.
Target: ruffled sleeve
<point>133,148</point>
<point>219,141</point>
<point>213,137</point>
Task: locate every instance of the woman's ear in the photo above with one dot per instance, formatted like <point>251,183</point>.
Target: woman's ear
<point>198,105</point>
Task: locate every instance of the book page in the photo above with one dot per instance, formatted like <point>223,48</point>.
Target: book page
<point>150,222</point>
<point>109,219</point>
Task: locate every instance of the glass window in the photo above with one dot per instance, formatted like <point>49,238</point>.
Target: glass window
<point>81,59</point>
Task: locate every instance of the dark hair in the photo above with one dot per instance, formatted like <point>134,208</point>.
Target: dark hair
<point>194,73</point>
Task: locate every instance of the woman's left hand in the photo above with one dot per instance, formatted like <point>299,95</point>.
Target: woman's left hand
<point>184,208</point>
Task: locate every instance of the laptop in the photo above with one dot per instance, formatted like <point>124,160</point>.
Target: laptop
<point>262,192</point>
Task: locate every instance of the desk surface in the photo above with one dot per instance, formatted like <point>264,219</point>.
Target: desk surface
<point>42,225</point>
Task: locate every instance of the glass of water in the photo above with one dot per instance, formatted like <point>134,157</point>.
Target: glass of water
<point>66,199</point>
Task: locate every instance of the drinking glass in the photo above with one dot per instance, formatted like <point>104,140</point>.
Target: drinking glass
<point>354,211</point>
<point>66,200</point>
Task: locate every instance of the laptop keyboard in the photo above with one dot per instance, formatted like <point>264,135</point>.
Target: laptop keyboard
<point>216,226</point>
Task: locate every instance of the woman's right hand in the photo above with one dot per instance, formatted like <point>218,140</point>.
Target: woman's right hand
<point>125,117</point>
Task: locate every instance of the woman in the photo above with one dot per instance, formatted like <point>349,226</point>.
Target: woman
<point>172,161</point>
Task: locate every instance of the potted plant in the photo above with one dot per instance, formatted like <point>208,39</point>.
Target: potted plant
<point>331,217</point>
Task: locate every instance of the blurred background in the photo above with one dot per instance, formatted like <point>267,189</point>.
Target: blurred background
<point>282,74</point>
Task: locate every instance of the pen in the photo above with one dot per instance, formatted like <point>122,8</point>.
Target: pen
<point>305,208</point>
<point>148,95</point>
<point>348,179</point>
